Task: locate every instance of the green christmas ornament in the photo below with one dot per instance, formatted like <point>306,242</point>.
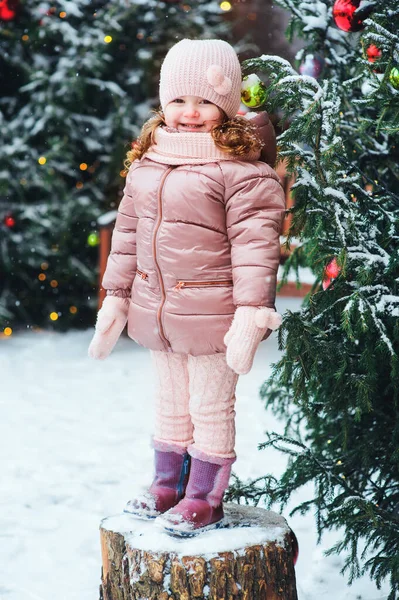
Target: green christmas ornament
<point>253,91</point>
<point>93,239</point>
<point>394,77</point>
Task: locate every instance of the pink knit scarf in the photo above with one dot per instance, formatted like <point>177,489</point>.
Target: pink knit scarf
<point>173,147</point>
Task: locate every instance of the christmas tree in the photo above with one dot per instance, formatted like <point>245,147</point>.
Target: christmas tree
<point>77,82</point>
<point>337,383</point>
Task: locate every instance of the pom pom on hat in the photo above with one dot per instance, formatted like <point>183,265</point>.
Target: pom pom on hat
<point>207,69</point>
<point>220,83</point>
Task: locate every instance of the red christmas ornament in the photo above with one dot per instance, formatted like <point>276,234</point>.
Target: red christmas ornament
<point>333,269</point>
<point>9,221</point>
<point>344,17</point>
<point>373,53</point>
<point>7,9</point>
<point>331,272</point>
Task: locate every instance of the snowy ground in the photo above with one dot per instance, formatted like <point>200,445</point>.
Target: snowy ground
<point>75,440</point>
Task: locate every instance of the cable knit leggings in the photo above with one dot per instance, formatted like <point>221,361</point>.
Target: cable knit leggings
<point>195,403</point>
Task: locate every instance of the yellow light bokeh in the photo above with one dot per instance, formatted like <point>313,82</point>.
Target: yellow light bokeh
<point>54,283</point>
<point>93,239</point>
<point>41,277</point>
<point>108,39</point>
<point>53,316</point>
<point>42,160</point>
<point>63,14</point>
<point>73,310</point>
<point>83,166</point>
<point>79,185</point>
<point>44,266</point>
<point>225,5</point>
<point>25,38</point>
<point>7,331</point>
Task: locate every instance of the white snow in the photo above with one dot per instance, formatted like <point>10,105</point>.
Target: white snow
<point>75,447</point>
<point>283,62</point>
<point>335,193</point>
<point>107,218</point>
<point>316,18</point>
<point>249,81</point>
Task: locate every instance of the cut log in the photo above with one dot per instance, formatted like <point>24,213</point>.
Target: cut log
<point>249,559</point>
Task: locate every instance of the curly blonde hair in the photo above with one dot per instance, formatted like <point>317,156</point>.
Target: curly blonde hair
<point>236,136</point>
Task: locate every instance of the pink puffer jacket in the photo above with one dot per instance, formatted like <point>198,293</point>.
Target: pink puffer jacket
<point>191,243</point>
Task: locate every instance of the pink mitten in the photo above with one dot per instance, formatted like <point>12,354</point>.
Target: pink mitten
<point>111,320</point>
<point>245,334</point>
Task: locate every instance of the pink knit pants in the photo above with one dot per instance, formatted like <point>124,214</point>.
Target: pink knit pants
<point>195,403</point>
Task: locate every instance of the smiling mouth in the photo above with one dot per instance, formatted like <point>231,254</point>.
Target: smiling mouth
<point>190,126</point>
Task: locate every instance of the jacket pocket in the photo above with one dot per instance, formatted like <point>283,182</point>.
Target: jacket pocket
<point>198,284</point>
<point>141,274</point>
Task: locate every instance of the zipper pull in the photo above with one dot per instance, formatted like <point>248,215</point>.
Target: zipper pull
<point>180,285</point>
<point>186,464</point>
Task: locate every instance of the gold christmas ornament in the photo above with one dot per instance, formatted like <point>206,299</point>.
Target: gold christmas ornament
<point>253,91</point>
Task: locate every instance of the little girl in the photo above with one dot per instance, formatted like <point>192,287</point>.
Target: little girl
<point>192,269</point>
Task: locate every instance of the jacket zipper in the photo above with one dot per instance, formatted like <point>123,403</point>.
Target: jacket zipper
<point>141,274</point>
<point>154,250</point>
<point>220,282</point>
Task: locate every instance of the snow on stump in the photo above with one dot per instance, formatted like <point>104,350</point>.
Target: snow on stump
<point>249,559</point>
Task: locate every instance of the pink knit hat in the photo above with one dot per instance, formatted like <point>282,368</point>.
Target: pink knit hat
<point>205,68</point>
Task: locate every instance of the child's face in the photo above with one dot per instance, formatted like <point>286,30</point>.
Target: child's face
<point>191,113</point>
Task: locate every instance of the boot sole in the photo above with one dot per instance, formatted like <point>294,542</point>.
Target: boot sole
<point>186,533</point>
<point>141,514</point>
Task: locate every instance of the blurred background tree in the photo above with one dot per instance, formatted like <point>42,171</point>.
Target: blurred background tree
<point>77,80</point>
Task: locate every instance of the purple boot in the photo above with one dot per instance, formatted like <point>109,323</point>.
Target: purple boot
<point>202,507</point>
<point>169,485</point>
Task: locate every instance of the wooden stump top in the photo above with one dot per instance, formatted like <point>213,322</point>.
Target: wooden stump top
<point>249,559</point>
<point>247,525</point>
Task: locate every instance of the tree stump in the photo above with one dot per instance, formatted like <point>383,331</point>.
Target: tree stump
<point>249,559</point>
